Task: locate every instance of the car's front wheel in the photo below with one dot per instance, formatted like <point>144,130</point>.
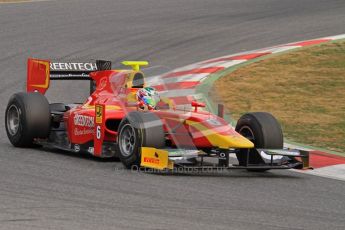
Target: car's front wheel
<point>264,131</point>
<point>136,130</point>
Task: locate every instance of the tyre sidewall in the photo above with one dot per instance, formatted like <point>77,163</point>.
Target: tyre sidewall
<point>149,133</point>
<point>34,118</point>
<point>254,126</point>
<point>134,158</point>
<point>267,134</point>
<point>23,135</point>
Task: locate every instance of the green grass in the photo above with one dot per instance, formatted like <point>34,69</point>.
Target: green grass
<point>304,89</point>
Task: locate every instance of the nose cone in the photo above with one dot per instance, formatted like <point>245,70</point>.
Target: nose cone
<point>230,141</point>
<point>219,134</point>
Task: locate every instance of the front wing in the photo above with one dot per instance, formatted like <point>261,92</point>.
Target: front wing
<point>168,159</point>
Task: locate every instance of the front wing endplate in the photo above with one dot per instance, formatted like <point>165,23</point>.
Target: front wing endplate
<point>155,159</point>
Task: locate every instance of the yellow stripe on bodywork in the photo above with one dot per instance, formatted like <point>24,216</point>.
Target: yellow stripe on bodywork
<point>113,107</point>
<point>220,140</point>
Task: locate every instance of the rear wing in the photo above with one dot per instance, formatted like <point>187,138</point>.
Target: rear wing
<point>40,72</point>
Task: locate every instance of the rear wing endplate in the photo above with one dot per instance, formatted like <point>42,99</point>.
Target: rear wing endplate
<point>40,72</point>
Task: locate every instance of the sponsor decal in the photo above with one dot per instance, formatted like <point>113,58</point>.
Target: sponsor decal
<point>76,148</point>
<point>151,160</point>
<point>84,121</point>
<point>102,83</point>
<point>73,66</point>
<point>91,150</point>
<point>99,114</point>
<point>214,122</point>
<point>222,156</point>
<point>79,132</point>
<point>69,75</point>
<point>98,132</point>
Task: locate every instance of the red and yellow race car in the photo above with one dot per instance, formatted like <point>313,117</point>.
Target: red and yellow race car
<point>116,121</point>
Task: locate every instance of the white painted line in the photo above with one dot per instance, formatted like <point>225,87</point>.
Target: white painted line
<point>203,64</point>
<point>280,49</point>
<point>341,36</point>
<point>184,78</point>
<point>198,96</point>
<point>291,146</point>
<point>336,172</point>
<point>189,77</point>
<point>227,64</point>
<point>158,80</point>
<point>194,66</point>
<point>154,80</point>
<point>177,93</point>
<point>187,67</point>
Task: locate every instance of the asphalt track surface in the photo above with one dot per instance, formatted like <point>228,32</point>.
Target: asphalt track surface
<point>56,190</point>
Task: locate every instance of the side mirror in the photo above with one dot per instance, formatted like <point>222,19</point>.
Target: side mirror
<point>196,104</point>
<point>221,110</point>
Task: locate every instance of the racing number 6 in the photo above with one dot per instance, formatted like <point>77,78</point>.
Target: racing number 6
<point>98,132</point>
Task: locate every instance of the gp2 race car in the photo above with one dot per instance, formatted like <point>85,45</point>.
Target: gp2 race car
<point>111,124</point>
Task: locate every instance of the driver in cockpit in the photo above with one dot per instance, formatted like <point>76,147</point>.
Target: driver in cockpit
<point>147,98</point>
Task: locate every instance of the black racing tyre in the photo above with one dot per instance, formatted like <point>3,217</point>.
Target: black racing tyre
<point>264,131</point>
<point>136,130</point>
<point>27,117</point>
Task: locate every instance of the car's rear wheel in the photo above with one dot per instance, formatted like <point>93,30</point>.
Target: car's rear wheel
<point>27,117</point>
<point>264,131</point>
<point>136,130</point>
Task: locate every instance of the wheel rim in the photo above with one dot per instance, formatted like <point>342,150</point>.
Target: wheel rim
<point>248,133</point>
<point>127,140</point>
<point>12,120</point>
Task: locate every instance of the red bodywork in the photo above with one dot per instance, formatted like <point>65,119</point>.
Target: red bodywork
<point>97,119</point>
